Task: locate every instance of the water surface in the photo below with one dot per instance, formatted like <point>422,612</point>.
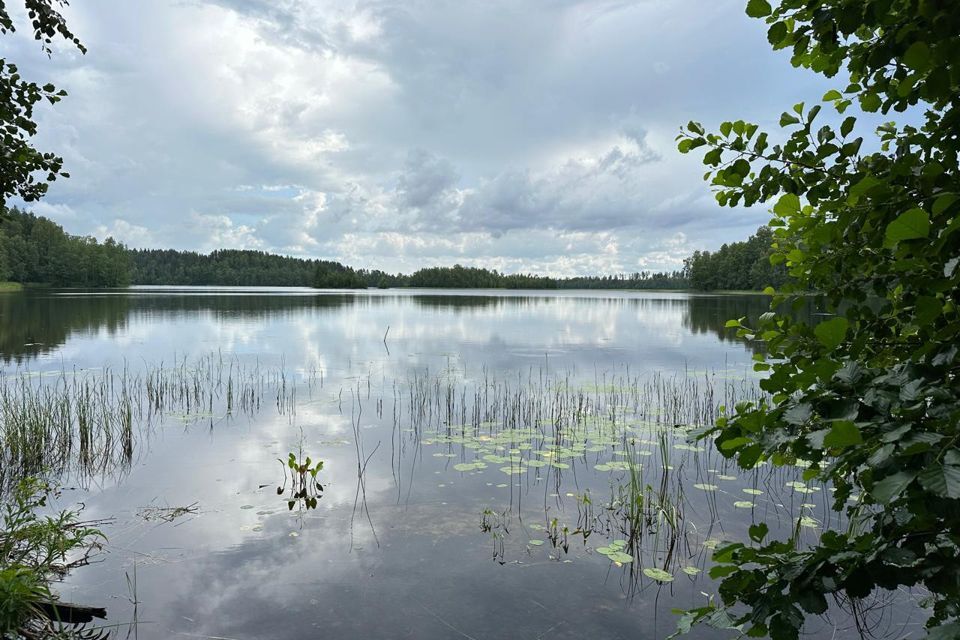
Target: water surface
<point>476,450</point>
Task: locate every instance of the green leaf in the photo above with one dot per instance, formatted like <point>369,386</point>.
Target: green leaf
<point>927,309</point>
<point>758,532</point>
<point>847,126</point>
<point>833,94</point>
<point>909,225</point>
<point>776,33</point>
<point>621,557</point>
<point>862,188</point>
<point>722,570</point>
<point>943,480</point>
<point>758,8</point>
<point>812,601</point>
<point>870,101</point>
<point>843,433</point>
<point>658,574</point>
<point>832,332</point>
<point>943,202</point>
<point>892,486</point>
<point>713,157</point>
<point>788,205</point>
<point>917,56</point>
<point>787,119</point>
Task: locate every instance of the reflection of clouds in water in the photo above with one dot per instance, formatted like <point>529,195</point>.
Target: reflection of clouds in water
<point>338,331</point>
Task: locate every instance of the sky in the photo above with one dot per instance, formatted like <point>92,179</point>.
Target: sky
<point>518,135</point>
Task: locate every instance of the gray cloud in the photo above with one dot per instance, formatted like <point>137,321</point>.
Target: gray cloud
<point>533,135</point>
<point>426,180</point>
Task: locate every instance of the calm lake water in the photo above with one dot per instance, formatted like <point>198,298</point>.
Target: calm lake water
<point>478,448</point>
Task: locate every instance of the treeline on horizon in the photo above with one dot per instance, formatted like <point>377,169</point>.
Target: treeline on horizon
<point>736,266</point>
<point>35,250</point>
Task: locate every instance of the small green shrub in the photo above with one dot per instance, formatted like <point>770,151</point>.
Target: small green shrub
<point>35,550</point>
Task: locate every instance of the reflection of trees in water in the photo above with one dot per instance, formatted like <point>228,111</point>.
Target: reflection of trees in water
<point>249,306</point>
<point>34,323</point>
<point>709,314</point>
<point>456,303</point>
<point>531,301</point>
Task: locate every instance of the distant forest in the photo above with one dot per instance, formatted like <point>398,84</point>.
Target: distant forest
<point>238,268</point>
<point>736,266</point>
<point>35,250</point>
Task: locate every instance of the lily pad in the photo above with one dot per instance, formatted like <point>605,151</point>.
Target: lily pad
<point>744,504</point>
<point>706,487</point>
<point>691,571</point>
<point>658,574</point>
<point>753,492</point>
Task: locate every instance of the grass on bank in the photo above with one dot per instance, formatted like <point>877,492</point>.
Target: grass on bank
<point>35,551</point>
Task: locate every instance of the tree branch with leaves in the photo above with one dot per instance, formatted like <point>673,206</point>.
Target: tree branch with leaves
<point>25,171</point>
<point>871,396</point>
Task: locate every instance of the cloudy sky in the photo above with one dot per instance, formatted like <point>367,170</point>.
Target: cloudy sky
<point>521,135</point>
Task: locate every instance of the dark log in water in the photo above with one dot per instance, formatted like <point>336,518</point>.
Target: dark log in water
<point>71,613</point>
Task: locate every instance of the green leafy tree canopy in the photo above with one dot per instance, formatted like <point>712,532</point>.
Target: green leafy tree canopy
<point>24,170</point>
<point>870,397</point>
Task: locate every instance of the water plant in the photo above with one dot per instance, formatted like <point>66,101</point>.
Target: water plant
<point>304,487</point>
<point>35,551</point>
<point>88,422</point>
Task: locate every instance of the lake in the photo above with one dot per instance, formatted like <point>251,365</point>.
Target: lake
<point>495,464</point>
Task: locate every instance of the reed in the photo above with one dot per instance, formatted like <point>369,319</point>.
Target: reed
<point>87,423</point>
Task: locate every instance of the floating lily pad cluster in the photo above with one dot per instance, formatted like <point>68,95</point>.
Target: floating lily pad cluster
<point>613,445</point>
<point>615,551</point>
<point>516,450</point>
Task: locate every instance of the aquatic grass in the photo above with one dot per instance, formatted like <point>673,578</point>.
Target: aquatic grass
<point>36,549</point>
<point>626,431</point>
<point>88,422</point>
<point>629,431</point>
